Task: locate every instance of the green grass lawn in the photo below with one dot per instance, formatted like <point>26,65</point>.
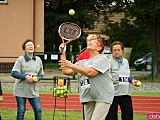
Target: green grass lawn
<point>75,92</point>
<point>46,115</point>
<point>59,115</point>
<point>51,65</point>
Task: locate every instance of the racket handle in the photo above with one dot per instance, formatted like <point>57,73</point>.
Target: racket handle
<point>61,51</point>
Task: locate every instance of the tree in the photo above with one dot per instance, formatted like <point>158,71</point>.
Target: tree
<point>144,13</point>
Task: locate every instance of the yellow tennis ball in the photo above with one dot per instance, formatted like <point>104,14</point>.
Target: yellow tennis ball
<point>1,98</point>
<point>35,78</point>
<point>58,92</point>
<point>139,83</point>
<point>65,87</point>
<point>71,12</point>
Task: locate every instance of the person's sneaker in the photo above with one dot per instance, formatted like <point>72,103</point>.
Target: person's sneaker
<point>1,98</point>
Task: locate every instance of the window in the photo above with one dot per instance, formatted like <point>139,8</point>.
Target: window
<point>3,1</point>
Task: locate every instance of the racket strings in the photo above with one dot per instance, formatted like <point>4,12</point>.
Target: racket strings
<point>70,31</point>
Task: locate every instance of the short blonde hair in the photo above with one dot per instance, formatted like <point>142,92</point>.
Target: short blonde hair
<point>91,36</point>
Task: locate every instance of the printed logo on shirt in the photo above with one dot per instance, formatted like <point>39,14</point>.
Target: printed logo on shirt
<point>37,68</point>
<point>90,63</point>
<point>127,68</point>
<point>114,69</point>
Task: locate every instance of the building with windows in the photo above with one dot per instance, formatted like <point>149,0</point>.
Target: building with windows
<point>24,19</point>
<point>20,20</point>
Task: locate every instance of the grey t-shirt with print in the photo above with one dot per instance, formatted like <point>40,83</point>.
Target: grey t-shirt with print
<point>23,88</point>
<point>100,87</point>
<point>122,84</point>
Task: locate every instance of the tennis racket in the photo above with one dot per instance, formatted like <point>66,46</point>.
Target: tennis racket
<point>68,32</point>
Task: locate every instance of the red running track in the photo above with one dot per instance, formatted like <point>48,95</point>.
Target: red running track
<point>141,104</point>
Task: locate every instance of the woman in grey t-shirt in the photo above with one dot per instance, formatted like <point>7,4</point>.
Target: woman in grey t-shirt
<point>122,92</point>
<point>96,85</point>
<point>28,70</point>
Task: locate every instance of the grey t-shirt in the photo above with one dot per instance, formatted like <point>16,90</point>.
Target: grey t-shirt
<point>23,88</point>
<point>100,87</point>
<point>122,84</point>
<point>114,71</point>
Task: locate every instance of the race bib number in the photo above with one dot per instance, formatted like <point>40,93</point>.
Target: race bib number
<point>123,80</point>
<point>85,84</point>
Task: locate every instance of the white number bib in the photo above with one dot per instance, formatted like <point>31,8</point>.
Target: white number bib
<point>123,80</point>
<point>85,84</point>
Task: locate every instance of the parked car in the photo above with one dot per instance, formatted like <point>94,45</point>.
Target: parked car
<point>107,51</point>
<point>144,63</point>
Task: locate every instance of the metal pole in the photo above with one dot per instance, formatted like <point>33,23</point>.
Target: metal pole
<point>65,108</point>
